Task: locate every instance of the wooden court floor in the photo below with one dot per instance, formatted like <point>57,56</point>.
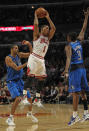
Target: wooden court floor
<point>53,117</point>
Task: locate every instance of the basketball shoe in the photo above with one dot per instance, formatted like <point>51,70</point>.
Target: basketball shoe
<point>73,120</point>
<point>38,103</point>
<point>85,117</point>
<point>32,117</point>
<point>10,121</point>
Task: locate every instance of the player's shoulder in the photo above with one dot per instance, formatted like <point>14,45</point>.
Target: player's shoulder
<point>8,57</point>
<point>79,41</point>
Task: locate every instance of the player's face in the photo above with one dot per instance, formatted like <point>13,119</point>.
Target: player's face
<point>15,50</point>
<point>68,39</point>
<point>45,31</point>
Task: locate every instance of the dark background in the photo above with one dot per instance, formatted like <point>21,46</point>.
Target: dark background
<point>67,16</point>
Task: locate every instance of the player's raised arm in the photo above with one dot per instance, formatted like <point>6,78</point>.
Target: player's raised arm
<point>10,63</point>
<point>68,59</point>
<point>81,34</point>
<point>25,55</point>
<point>53,28</point>
<point>36,28</point>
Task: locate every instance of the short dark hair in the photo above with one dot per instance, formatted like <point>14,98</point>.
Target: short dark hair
<point>73,36</point>
<point>12,46</point>
<point>43,26</point>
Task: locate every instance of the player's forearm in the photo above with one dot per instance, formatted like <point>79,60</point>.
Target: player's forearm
<point>85,24</point>
<point>51,23</point>
<point>21,66</point>
<point>36,20</point>
<point>67,65</point>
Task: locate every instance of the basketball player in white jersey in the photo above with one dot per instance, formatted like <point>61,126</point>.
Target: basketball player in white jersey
<point>36,62</point>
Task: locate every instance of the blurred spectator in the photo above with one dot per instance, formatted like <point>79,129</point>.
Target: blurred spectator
<point>3,98</point>
<point>47,94</point>
<point>54,93</point>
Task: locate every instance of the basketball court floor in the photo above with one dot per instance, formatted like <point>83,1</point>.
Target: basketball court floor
<point>52,117</point>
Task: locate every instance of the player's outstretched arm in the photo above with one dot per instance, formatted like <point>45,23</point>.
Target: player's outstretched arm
<point>81,35</point>
<point>25,55</point>
<point>10,63</point>
<point>53,28</point>
<point>36,28</point>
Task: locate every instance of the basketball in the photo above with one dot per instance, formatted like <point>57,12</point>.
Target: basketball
<point>41,12</point>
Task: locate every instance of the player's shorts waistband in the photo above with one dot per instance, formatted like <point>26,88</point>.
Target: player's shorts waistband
<point>15,80</point>
<point>38,56</point>
<point>76,66</point>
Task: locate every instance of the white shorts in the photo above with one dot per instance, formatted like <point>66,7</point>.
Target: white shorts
<point>36,67</point>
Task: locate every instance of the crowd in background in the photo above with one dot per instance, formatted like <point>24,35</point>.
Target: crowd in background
<point>54,89</point>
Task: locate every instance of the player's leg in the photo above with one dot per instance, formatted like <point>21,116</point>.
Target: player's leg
<point>15,104</point>
<point>74,118</point>
<point>85,88</point>
<point>74,87</point>
<point>31,71</point>
<point>31,66</point>
<point>12,87</point>
<point>29,114</point>
<point>75,103</point>
<point>40,75</point>
<point>85,104</point>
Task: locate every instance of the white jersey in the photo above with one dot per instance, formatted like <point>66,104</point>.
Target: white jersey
<point>40,46</point>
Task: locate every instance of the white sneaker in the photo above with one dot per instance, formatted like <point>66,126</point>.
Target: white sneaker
<point>33,118</point>
<point>10,121</point>
<point>35,101</point>
<point>85,117</point>
<point>38,103</point>
<point>25,102</point>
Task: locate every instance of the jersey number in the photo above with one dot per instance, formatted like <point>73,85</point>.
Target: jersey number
<point>79,54</point>
<point>44,48</point>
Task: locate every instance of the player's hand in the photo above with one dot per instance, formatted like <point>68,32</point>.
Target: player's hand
<point>25,42</point>
<point>86,13</point>
<point>47,15</point>
<point>88,10</point>
<point>65,75</point>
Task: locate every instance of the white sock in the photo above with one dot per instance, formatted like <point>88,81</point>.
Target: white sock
<point>30,112</point>
<point>74,114</point>
<point>11,115</point>
<point>85,112</point>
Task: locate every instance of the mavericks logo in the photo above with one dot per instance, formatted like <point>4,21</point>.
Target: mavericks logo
<point>72,87</point>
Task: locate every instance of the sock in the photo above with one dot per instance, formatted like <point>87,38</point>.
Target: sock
<point>85,112</point>
<point>30,112</point>
<point>85,104</point>
<point>11,116</point>
<point>74,114</point>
